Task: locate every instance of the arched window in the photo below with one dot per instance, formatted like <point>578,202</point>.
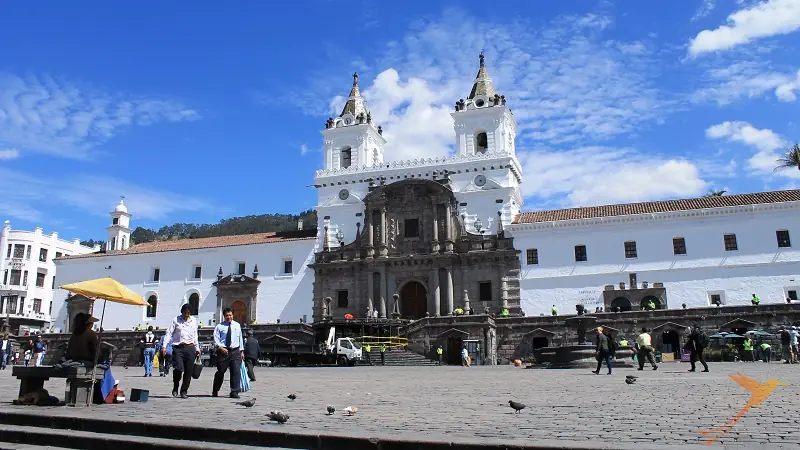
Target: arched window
<point>113,243</point>
<point>152,306</point>
<point>122,247</point>
<point>481,143</point>
<point>346,157</point>
<point>194,303</point>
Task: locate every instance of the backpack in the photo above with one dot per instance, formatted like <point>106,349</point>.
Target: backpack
<point>612,345</point>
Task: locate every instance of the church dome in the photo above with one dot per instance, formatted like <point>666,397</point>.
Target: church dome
<point>121,207</point>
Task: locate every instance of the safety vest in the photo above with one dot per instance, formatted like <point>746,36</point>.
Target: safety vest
<point>439,351</point>
<point>367,348</point>
<point>554,309</point>
<point>383,348</point>
<point>651,305</point>
<point>748,345</point>
<point>765,346</point>
<point>504,313</point>
<point>623,343</point>
<point>756,300</point>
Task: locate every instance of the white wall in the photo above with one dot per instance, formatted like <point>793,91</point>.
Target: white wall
<point>758,267</point>
<point>285,297</point>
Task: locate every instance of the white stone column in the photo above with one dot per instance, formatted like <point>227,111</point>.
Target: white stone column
<point>383,232</point>
<point>382,304</point>
<point>504,291</point>
<point>371,290</point>
<point>449,291</point>
<point>435,294</point>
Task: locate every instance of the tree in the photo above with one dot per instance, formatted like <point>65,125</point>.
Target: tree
<point>715,193</point>
<point>790,160</point>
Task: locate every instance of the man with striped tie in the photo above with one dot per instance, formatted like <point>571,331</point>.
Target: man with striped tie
<point>230,343</point>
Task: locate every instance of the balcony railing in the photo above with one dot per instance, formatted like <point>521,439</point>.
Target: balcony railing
<point>26,315</point>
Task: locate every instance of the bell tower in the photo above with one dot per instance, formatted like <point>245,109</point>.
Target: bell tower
<point>483,123</point>
<point>119,233</point>
<point>352,139</point>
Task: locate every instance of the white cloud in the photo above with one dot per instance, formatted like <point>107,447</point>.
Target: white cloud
<point>786,90</point>
<point>96,197</point>
<point>765,19</point>
<point>601,175</point>
<point>63,119</point>
<point>303,149</point>
<point>705,9</point>
<point>746,79</point>
<point>767,143</point>
<point>9,153</point>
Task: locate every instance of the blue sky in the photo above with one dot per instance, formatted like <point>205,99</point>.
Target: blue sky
<point>201,111</point>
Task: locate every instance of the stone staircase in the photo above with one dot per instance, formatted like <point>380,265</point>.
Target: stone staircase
<point>401,357</point>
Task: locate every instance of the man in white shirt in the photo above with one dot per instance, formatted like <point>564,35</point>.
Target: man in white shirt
<point>182,334</point>
<point>5,351</point>
<point>645,345</point>
<point>230,344</point>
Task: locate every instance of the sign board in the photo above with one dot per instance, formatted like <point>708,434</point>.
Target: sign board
<point>590,298</point>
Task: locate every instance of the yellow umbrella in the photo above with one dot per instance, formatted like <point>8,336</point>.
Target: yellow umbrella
<point>106,289</point>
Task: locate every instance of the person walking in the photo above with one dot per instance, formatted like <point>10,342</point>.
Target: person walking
<point>439,352</point>
<point>795,344</point>
<point>5,352</point>
<point>749,351</point>
<point>38,351</point>
<point>252,351</point>
<point>698,341</point>
<point>182,335</point>
<point>602,350</point>
<point>786,345</point>
<point>149,343</point>
<point>383,354</point>
<point>165,357</point>
<point>644,342</point>
<point>229,341</point>
<point>367,352</point>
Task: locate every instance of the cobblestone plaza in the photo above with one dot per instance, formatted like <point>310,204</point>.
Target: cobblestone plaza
<point>668,406</point>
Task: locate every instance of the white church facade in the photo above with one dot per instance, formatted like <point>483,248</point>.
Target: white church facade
<point>693,252</point>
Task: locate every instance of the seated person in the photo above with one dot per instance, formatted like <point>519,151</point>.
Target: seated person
<point>83,342</point>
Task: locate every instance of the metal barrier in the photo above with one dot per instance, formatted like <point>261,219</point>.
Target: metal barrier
<point>389,341</point>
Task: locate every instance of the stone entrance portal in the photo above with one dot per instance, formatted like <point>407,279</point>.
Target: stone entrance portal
<point>413,300</point>
<point>239,312</point>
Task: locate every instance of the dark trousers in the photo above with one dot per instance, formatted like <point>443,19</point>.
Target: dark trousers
<point>164,363</point>
<point>228,361</point>
<point>250,363</point>
<point>4,357</point>
<point>603,356</point>
<point>697,355</point>
<point>369,360</point>
<point>383,358</point>
<point>749,355</point>
<point>646,352</point>
<point>183,366</point>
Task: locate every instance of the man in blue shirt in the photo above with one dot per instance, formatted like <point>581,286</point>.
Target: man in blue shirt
<point>166,356</point>
<point>230,343</point>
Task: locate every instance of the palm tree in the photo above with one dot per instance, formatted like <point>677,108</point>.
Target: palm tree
<point>790,160</point>
<point>714,193</point>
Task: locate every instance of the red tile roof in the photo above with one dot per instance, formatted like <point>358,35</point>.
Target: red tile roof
<point>626,209</point>
<point>193,244</point>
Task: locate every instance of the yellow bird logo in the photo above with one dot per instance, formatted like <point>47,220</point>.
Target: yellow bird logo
<point>758,393</point>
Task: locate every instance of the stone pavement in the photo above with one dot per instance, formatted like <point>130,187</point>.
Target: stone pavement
<point>668,406</point>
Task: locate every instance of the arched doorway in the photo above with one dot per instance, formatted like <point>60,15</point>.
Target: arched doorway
<point>413,300</point>
<point>645,301</point>
<point>540,342</point>
<point>239,312</point>
<point>670,342</point>
<point>454,346</point>
<point>622,303</point>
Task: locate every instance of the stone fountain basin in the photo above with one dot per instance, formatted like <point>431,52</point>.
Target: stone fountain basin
<point>579,357</point>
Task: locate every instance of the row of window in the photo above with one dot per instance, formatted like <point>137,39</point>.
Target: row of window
<point>718,298</point>
<point>152,305</point>
<point>196,273</point>
<point>21,251</point>
<point>484,294</point>
<point>16,277</point>
<point>13,304</point>
<point>678,247</point>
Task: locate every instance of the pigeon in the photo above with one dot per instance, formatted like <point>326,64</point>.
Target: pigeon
<point>350,410</point>
<point>278,416</point>
<point>331,410</point>
<point>631,377</point>
<point>516,405</point>
<point>248,404</point>
<point>630,380</point>
<point>291,396</point>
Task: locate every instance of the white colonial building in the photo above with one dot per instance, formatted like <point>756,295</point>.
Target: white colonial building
<point>29,275</point>
<point>694,252</point>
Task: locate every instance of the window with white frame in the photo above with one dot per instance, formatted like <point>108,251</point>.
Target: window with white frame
<point>155,275</point>
<point>716,298</point>
<point>197,272</point>
<point>240,267</point>
<point>287,266</point>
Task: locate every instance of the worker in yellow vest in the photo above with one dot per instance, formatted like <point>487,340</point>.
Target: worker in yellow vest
<point>554,311</point>
<point>439,352</point>
<point>383,354</point>
<point>748,350</point>
<point>367,350</point>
